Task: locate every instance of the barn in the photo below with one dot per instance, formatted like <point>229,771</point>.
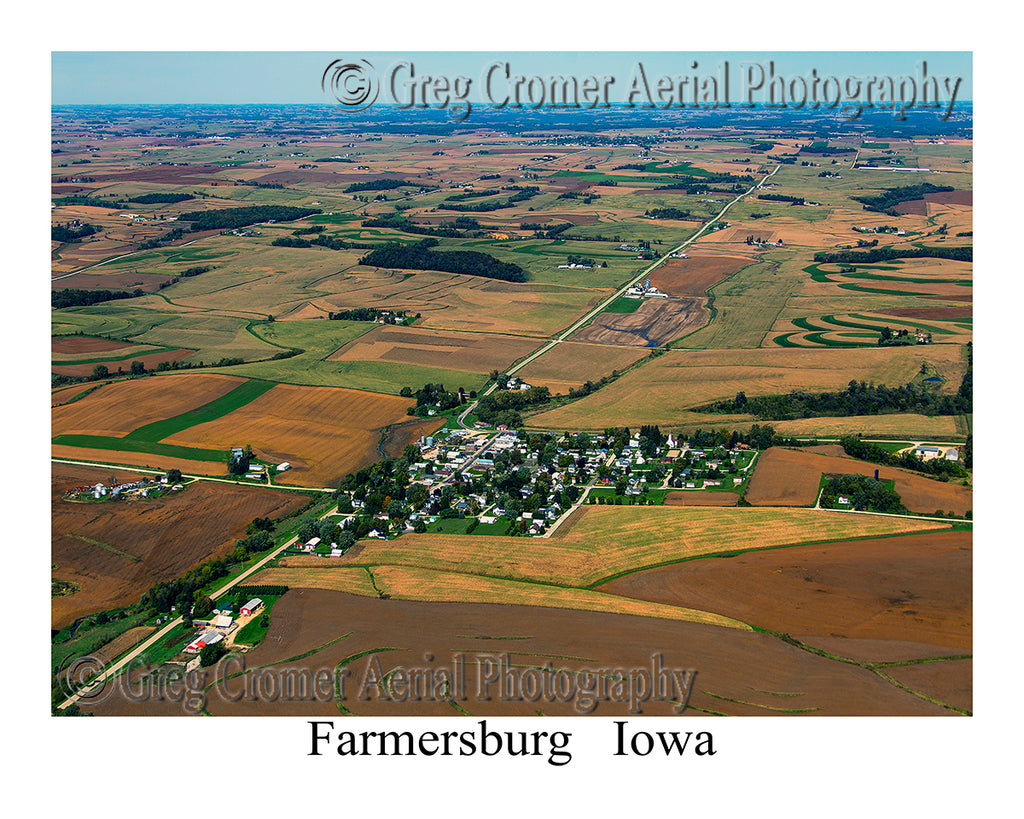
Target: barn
<point>252,607</point>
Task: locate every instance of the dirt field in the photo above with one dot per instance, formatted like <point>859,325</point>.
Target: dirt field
<point>569,365</point>
<point>790,477</point>
<point>738,673</point>
<point>471,352</point>
<point>323,432</point>
<point>653,323</point>
<point>911,588</point>
<point>77,346</point>
<point>116,551</point>
<point>697,274</point>
<point>117,408</point>
<point>701,498</point>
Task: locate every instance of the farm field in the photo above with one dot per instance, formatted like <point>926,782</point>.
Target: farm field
<point>457,353</point>
<point>662,390</point>
<point>790,477</point>
<point>914,588</point>
<point>654,323</point>
<point>570,364</point>
<point>117,550</point>
<point>740,673</point>
<point>602,541</point>
<point>323,432</point>
<point>534,221</point>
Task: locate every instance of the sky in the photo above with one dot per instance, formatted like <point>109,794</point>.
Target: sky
<point>213,77</point>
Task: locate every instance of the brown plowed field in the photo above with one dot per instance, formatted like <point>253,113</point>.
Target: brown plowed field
<point>788,477</point>
<point>469,352</point>
<point>653,323</point>
<point>118,408</point>
<point>913,588</point>
<point>696,275</point>
<point>701,498</point>
<point>116,551</point>
<point>950,197</point>
<point>323,432</point>
<point>83,345</point>
<point>879,651</point>
<point>951,681</point>
<point>740,673</point>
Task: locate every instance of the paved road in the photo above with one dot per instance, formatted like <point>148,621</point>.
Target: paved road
<point>604,304</point>
<point>138,650</point>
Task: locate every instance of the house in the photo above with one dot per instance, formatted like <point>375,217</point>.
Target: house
<point>284,467</point>
<point>222,621</point>
<point>251,607</point>
<point>311,544</point>
<point>953,454</point>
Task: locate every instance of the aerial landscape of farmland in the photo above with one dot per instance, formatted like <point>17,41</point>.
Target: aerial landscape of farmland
<point>343,390</point>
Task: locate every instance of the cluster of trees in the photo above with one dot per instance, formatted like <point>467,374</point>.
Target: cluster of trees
<point>884,254</point>
<point>378,185</point>
<point>95,202</point>
<point>899,338</point>
<point>431,396</point>
<point>523,194</point>
<point>671,213</point>
<point>161,198</point>
<point>887,201</point>
<point>368,314</point>
<point>172,235</point>
<point>309,231</point>
<point>873,453</point>
<point>419,256</point>
<point>503,406</point>
<point>238,463</point>
<point>466,195</point>
<point>232,218</point>
<point>863,492</point>
<point>71,232</point>
<point>72,297</point>
<point>781,197</point>
<point>399,221</point>
<point>186,274</point>
<point>859,398</point>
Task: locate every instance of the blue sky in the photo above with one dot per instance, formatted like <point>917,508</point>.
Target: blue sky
<point>160,77</point>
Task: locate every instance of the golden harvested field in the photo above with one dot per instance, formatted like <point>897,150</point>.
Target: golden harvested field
<point>920,427</point>
<point>790,477</point>
<point>117,408</point>
<point>662,390</point>
<point>470,352</point>
<point>600,541</point>
<point>64,394</point>
<point>405,583</point>
<point>449,302</point>
<point>323,432</point>
<point>570,364</point>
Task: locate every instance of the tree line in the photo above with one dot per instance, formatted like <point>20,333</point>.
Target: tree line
<point>884,254</point>
<point>233,218</point>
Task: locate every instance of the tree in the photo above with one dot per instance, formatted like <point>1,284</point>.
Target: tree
<point>208,655</point>
<point>100,371</point>
<point>173,475</point>
<point>203,606</point>
<point>138,368</point>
